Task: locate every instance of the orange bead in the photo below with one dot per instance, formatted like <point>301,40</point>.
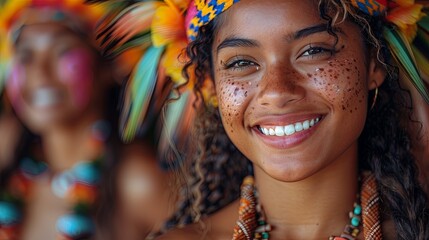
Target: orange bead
<point>82,193</point>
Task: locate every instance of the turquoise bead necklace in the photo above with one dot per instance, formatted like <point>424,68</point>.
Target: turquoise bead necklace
<point>78,185</point>
<point>350,232</point>
<point>252,222</point>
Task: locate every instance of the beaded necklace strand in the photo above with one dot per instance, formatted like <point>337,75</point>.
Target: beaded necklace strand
<point>77,185</point>
<point>252,224</point>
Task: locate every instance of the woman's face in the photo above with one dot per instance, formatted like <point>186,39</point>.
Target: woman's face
<point>52,76</point>
<point>291,99</point>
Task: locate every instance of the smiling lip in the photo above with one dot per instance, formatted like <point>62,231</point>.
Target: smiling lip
<point>287,135</point>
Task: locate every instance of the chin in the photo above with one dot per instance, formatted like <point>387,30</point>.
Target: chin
<point>288,171</point>
<point>42,123</point>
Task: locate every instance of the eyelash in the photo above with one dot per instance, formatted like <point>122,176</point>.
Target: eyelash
<point>317,52</point>
<point>311,52</point>
<point>239,64</point>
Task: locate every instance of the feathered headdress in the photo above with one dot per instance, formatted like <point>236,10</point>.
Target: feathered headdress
<point>16,13</point>
<point>158,31</point>
<point>407,33</point>
<point>155,30</point>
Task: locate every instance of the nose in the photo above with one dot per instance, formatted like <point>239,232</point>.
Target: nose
<point>39,72</point>
<point>280,85</point>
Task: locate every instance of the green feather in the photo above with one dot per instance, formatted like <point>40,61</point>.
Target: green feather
<point>422,62</point>
<point>142,41</point>
<point>178,119</point>
<point>403,54</point>
<point>140,91</point>
<point>4,68</point>
<point>174,113</point>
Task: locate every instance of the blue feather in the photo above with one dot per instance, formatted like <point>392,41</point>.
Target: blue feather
<point>139,92</point>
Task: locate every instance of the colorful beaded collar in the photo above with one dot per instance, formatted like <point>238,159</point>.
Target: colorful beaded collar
<point>78,186</point>
<point>252,222</point>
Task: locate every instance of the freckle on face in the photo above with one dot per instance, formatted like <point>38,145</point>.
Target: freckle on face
<point>347,80</point>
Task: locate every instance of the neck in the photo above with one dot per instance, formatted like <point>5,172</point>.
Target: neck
<point>64,146</point>
<point>314,208</point>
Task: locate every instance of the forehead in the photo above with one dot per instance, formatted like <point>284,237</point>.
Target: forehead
<point>250,16</point>
<point>45,34</point>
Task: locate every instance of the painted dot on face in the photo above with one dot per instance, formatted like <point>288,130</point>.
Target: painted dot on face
<point>75,69</point>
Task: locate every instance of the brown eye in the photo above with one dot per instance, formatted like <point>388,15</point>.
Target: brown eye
<point>240,64</point>
<point>313,51</point>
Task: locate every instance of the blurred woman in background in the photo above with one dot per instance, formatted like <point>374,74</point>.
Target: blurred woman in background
<point>71,177</point>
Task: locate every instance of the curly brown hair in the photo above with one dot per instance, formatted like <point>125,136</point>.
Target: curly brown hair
<point>384,146</point>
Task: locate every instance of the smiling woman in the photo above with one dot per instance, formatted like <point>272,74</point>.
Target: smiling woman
<point>70,177</point>
<point>61,67</point>
<point>309,93</point>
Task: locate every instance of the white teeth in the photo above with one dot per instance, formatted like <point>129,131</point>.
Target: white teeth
<point>306,124</point>
<point>279,131</point>
<point>289,129</point>
<point>265,131</point>
<point>45,97</point>
<point>298,127</point>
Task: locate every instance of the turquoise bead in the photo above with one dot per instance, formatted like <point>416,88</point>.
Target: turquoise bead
<point>357,210</point>
<point>9,213</point>
<point>87,173</point>
<point>355,221</point>
<point>58,16</point>
<point>32,167</point>
<point>265,235</point>
<point>74,225</point>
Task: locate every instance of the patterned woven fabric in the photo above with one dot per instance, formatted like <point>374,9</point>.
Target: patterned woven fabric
<point>370,208</point>
<point>246,223</point>
<point>206,11</point>
<point>371,7</point>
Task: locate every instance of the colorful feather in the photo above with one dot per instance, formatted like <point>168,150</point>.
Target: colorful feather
<point>406,18</point>
<point>168,25</point>
<point>140,90</point>
<point>178,118</point>
<point>402,53</point>
<point>130,27</point>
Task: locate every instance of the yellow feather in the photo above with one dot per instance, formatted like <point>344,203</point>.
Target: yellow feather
<point>167,26</point>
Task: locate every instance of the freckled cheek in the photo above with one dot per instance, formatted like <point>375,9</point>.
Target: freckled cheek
<point>341,83</point>
<point>76,70</point>
<point>232,97</point>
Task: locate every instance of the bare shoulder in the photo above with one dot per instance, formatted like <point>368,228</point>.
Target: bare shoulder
<point>218,226</point>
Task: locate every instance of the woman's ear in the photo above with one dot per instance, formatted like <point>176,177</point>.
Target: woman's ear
<point>376,71</point>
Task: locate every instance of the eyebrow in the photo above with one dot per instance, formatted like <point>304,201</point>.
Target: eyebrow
<point>243,42</point>
<point>237,42</point>
<point>307,32</point>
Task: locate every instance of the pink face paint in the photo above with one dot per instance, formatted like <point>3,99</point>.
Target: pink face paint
<point>75,69</point>
<point>14,86</point>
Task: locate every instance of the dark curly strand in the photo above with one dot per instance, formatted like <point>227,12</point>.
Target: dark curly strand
<point>384,146</point>
<point>384,143</point>
<point>217,164</point>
